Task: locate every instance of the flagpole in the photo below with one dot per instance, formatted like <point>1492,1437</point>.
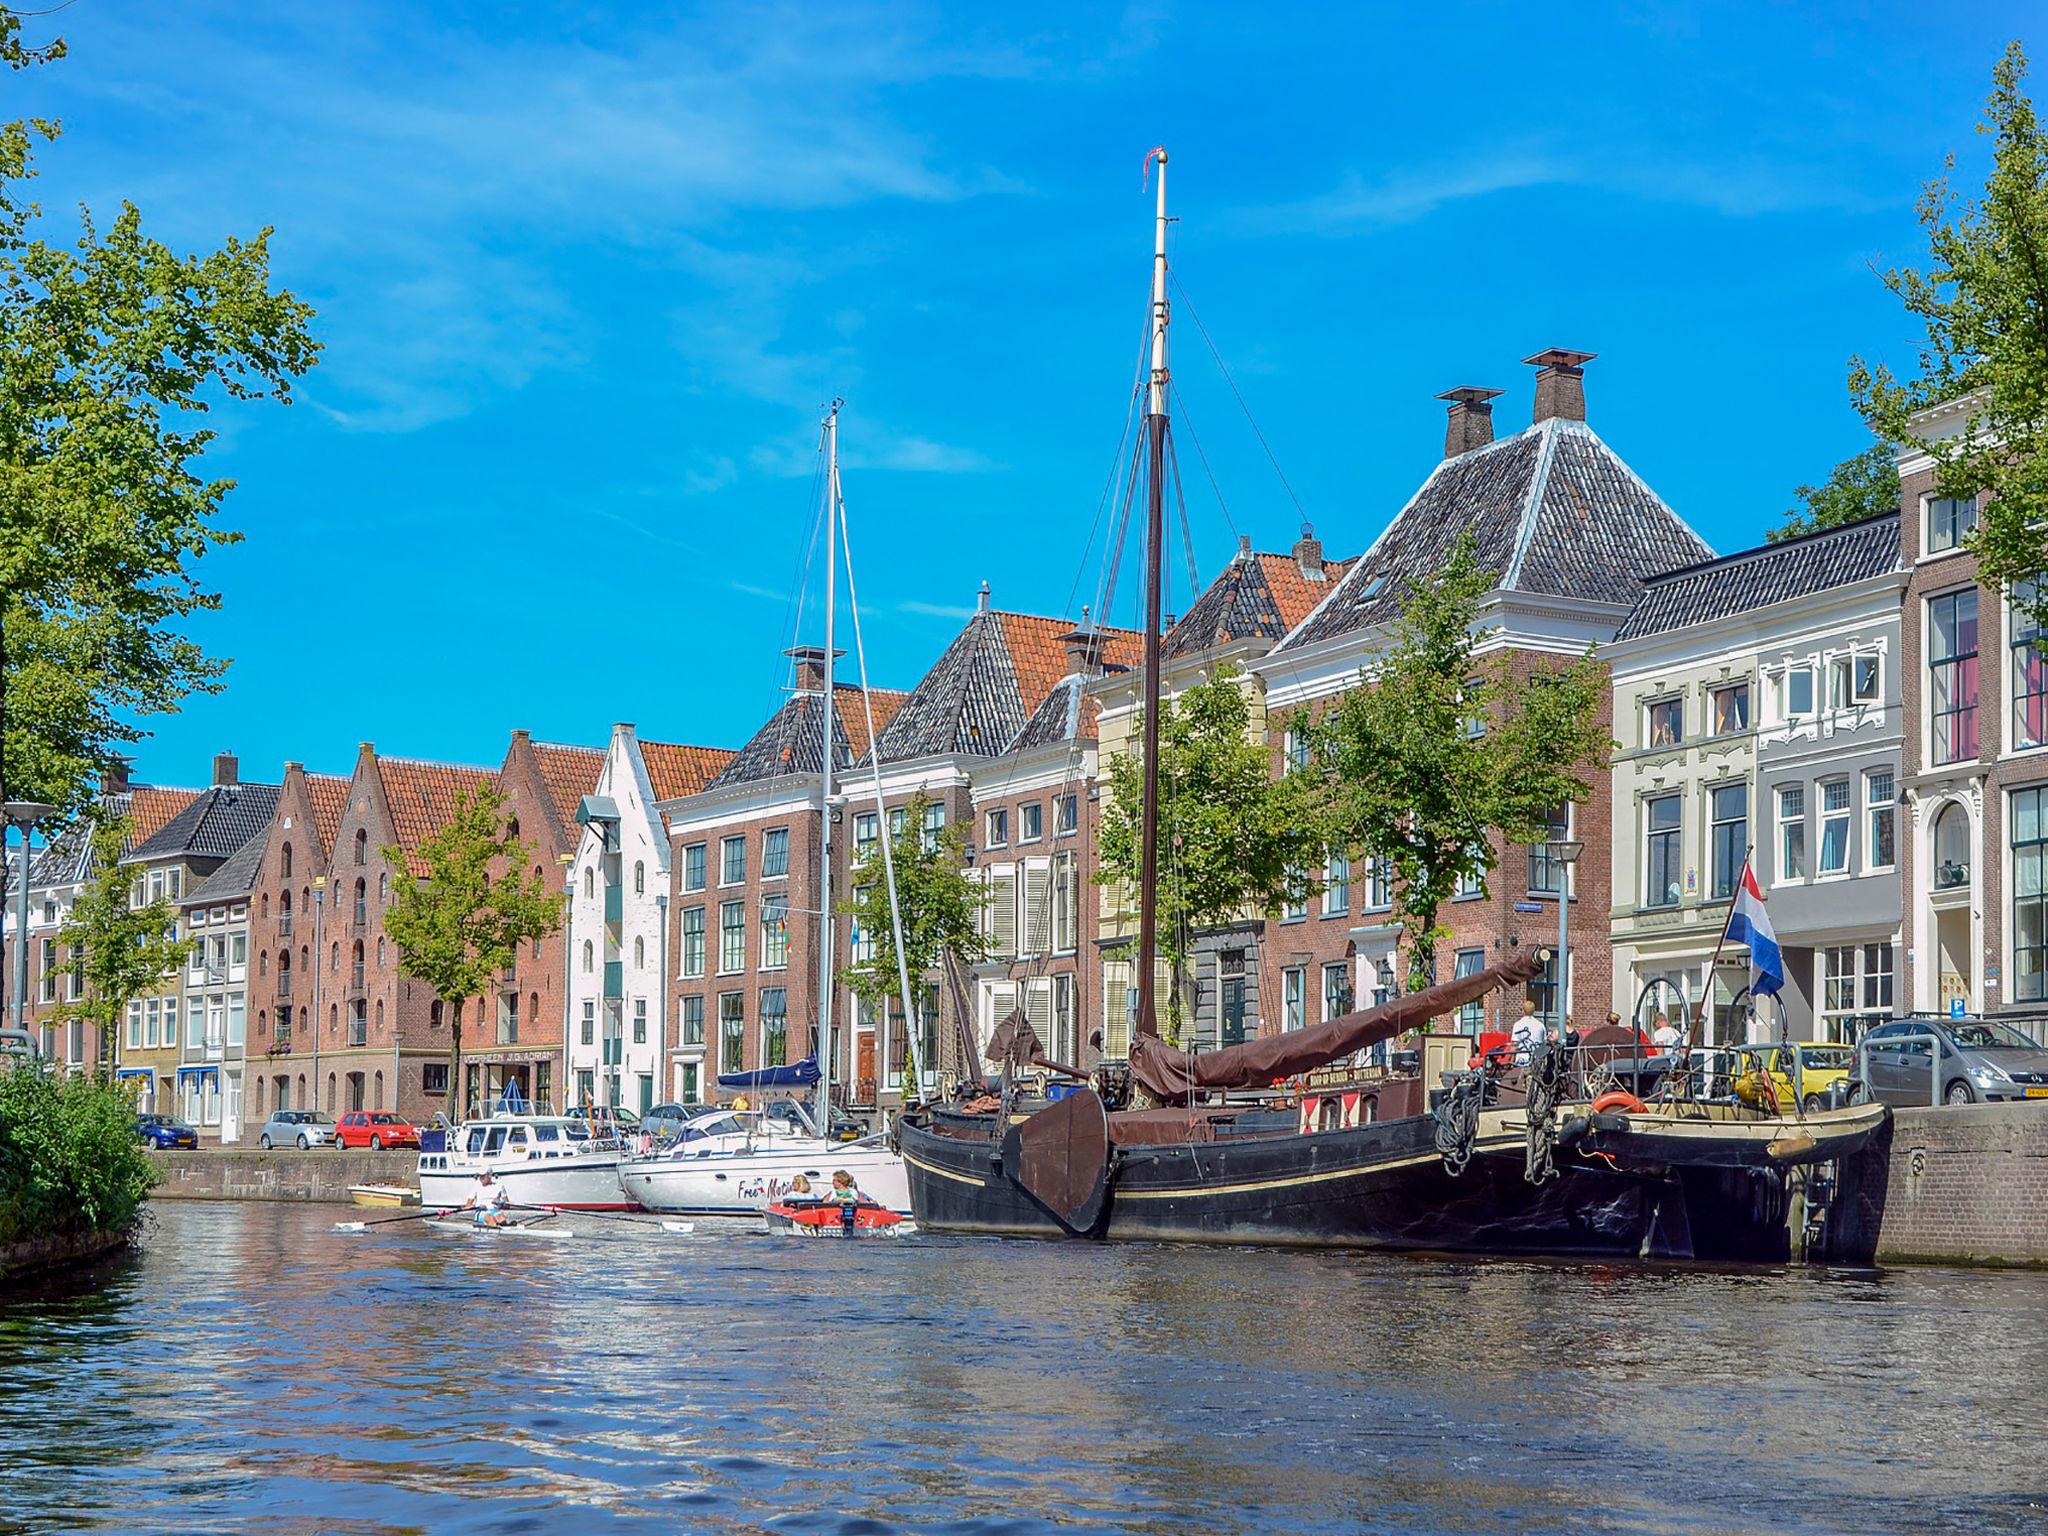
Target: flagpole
<point>1713,966</point>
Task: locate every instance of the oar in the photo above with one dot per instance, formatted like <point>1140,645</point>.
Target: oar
<point>635,1221</point>
<point>382,1221</point>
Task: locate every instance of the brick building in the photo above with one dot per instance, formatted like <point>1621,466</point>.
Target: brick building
<point>297,849</point>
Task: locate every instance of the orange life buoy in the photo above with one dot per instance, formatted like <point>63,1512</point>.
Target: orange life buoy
<point>1628,1103</point>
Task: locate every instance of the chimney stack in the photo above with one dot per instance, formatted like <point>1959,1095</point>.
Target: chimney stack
<point>1471,419</point>
<point>1244,548</point>
<point>114,777</point>
<point>1560,384</point>
<point>1084,647</point>
<point>810,667</point>
<point>225,769</point>
<point>1308,553</point>
<point>981,599</point>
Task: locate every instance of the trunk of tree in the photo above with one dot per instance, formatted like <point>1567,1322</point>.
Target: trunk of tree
<point>458,1106</point>
<point>1422,952</point>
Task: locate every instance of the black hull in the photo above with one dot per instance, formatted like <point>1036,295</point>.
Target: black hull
<point>1375,1186</point>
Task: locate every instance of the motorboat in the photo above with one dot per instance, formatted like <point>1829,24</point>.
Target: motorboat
<point>549,1161</point>
<point>736,1162</point>
<point>826,1218</point>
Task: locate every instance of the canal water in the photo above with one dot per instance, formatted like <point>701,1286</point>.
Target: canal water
<point>253,1370</point>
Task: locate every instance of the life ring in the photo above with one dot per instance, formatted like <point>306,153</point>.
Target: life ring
<point>1627,1103</point>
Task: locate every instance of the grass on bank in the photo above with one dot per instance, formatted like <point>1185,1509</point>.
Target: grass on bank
<point>70,1163</point>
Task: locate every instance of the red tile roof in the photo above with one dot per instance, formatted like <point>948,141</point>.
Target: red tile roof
<point>151,807</point>
<point>1038,652</point>
<point>1293,593</point>
<point>328,795</point>
<point>676,771</point>
<point>853,715</point>
<point>423,796</point>
<point>570,773</point>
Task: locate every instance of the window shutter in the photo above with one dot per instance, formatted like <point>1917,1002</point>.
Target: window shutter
<point>1038,1008</point>
<point>1037,909</point>
<point>1002,912</point>
<point>1066,902</point>
<point>1002,999</point>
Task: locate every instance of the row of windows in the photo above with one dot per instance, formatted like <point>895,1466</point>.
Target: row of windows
<point>732,937</point>
<point>1066,817</point>
<point>1807,852</point>
<point>732,861</point>
<point>1793,692</point>
<point>1953,675</point>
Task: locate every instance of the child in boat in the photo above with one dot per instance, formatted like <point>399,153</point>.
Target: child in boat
<point>843,1191</point>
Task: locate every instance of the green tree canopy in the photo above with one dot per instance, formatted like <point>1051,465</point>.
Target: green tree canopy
<point>1864,486</point>
<point>112,348</point>
<point>1982,303</point>
<point>461,924</point>
<point>1439,749</point>
<point>1234,841</point>
<point>120,949</point>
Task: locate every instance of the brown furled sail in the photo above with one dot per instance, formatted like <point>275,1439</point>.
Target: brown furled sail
<point>1015,1044</point>
<point>1171,1075</point>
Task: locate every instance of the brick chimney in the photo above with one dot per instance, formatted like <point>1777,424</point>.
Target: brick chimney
<point>810,667</point>
<point>225,769</point>
<point>1084,647</point>
<point>1560,383</point>
<point>114,777</point>
<point>1471,419</point>
<point>1308,553</point>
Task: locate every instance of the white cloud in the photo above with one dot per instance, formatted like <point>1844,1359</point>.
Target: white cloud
<point>935,610</point>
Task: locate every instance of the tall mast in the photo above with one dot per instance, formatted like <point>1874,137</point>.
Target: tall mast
<point>1155,456</point>
<point>825,978</point>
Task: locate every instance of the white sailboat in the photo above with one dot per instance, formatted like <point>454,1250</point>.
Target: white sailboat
<point>736,1163</point>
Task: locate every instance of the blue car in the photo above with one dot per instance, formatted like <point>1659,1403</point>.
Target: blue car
<point>161,1131</point>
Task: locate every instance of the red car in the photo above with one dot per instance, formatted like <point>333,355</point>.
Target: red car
<point>375,1129</point>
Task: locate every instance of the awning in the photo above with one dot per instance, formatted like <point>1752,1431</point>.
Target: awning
<point>135,1072</point>
<point>199,1071</point>
<point>798,1074</point>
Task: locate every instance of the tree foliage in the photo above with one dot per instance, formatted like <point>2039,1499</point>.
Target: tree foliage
<point>122,950</point>
<point>941,905</point>
<point>70,1163</point>
<point>1982,302</point>
<point>1866,485</point>
<point>1234,841</point>
<point>1440,749</point>
<point>461,924</point>
<point>113,348</point>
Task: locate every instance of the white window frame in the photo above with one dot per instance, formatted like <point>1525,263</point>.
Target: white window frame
<point>1844,816</point>
<point>1872,809</point>
<point>726,845</point>
<point>1789,821</point>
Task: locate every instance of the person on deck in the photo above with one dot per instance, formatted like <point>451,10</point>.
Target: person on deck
<point>1528,1032</point>
<point>843,1191</point>
<point>1666,1036</point>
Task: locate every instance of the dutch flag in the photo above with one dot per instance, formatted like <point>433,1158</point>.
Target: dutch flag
<point>1750,924</point>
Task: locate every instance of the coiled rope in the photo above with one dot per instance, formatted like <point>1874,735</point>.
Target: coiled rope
<point>1457,1121</point>
<point>1546,1086</point>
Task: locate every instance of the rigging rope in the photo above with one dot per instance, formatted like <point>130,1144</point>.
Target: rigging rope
<point>1224,369</point>
<point>1546,1087</point>
<point>1187,537</point>
<point>1457,1120</point>
<point>1180,405</point>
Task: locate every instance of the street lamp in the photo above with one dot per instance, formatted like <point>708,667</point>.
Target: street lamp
<point>24,814</point>
<point>1565,851</point>
<point>319,911</point>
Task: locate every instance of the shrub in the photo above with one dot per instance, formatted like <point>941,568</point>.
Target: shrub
<point>70,1162</point>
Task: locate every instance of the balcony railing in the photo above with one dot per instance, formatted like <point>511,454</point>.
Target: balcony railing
<point>358,1032</point>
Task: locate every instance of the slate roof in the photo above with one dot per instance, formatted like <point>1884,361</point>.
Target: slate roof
<point>422,797</point>
<point>217,822</point>
<point>233,880</point>
<point>1257,597</point>
<point>67,858</point>
<point>792,740</point>
<point>1772,573</point>
<point>676,771</point>
<point>569,773</point>
<point>981,694</point>
<point>1554,511</point>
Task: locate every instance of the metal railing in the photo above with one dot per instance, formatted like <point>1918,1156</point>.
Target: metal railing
<point>1862,1069</point>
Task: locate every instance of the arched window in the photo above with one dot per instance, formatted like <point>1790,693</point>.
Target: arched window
<point>639,954</point>
<point>1951,847</point>
<point>284,862</point>
<point>512,829</point>
<point>362,901</point>
<point>333,1020</point>
<point>589,955</point>
<point>262,963</point>
<point>532,1010</point>
<point>434,1014</point>
<point>384,890</point>
<point>330,1093</point>
<point>266,906</point>
<point>284,973</point>
<point>305,1014</point>
<point>259,1095</point>
<point>306,959</point>
<point>355,964</point>
<point>334,957</point>
<point>589,883</point>
<point>380,950</point>
<point>262,1027</point>
<point>380,1015</point>
<point>380,1076</point>
<point>639,878</point>
<point>362,846</point>
<point>284,911</point>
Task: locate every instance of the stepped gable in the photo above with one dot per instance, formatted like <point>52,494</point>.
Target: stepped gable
<point>1770,573</point>
<point>992,680</point>
<point>676,771</point>
<point>569,773</point>
<point>328,795</point>
<point>233,881</point>
<point>216,823</point>
<point>422,796</point>
<point>1554,511</point>
<point>1258,597</point>
<point>791,742</point>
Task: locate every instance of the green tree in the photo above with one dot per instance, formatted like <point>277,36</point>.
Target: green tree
<point>70,1163</point>
<point>1234,841</point>
<point>111,347</point>
<point>941,906</point>
<point>122,950</point>
<point>1864,486</point>
<point>1439,749</point>
<point>460,924</point>
<point>1983,305</point>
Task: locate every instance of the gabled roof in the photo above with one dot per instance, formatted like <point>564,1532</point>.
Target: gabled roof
<point>676,771</point>
<point>1257,597</point>
<point>67,858</point>
<point>149,807</point>
<point>327,793</point>
<point>422,797</point>
<point>570,773</point>
<point>233,880</point>
<point>1554,511</point>
<point>1772,573</point>
<point>1068,713</point>
<point>791,742</point>
<point>214,824</point>
<point>979,696</point>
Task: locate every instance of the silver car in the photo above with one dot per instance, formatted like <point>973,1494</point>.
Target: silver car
<point>302,1128</point>
<point>1981,1059</point>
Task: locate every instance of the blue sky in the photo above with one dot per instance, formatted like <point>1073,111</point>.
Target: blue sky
<point>585,273</point>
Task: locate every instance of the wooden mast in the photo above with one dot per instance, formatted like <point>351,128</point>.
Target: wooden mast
<point>1155,474</point>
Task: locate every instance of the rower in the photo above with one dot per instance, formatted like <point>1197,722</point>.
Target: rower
<point>489,1201</point>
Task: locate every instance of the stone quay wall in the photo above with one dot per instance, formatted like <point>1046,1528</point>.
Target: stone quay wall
<point>1965,1184</point>
<point>249,1173</point>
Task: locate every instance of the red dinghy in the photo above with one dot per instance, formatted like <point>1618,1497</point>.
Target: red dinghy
<point>826,1218</point>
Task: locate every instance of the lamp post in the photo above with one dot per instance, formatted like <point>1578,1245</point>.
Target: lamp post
<point>24,814</point>
<point>319,910</point>
<point>1566,853</point>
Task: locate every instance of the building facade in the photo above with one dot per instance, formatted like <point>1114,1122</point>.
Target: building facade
<point>286,928</point>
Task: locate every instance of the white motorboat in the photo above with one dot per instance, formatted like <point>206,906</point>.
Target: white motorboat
<point>541,1160</point>
<point>737,1164</point>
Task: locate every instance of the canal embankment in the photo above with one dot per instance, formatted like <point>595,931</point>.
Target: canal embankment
<point>250,1173</point>
<point>1962,1184</point>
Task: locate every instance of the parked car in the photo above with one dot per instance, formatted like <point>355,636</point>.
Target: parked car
<point>1821,1066</point>
<point>613,1120</point>
<point>163,1131</point>
<point>668,1120</point>
<point>1980,1059</point>
<point>302,1128</point>
<point>375,1129</point>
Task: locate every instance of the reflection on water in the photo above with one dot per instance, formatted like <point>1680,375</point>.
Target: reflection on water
<point>253,1370</point>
